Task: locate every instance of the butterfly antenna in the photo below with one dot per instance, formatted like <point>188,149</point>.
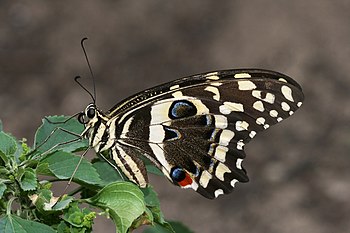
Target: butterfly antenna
<point>92,74</point>
<point>81,85</point>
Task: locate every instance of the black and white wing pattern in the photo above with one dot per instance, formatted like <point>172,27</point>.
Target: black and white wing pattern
<point>194,129</point>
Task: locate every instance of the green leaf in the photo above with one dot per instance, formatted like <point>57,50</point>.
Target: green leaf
<point>43,200</point>
<point>153,205</point>
<point>3,162</point>
<point>176,226</point>
<point>8,145</point>
<point>45,131</point>
<point>154,170</point>
<point>62,227</point>
<point>1,126</point>
<point>180,227</point>
<point>28,180</point>
<point>148,215</point>
<point>46,203</point>
<point>62,165</point>
<point>8,150</point>
<point>123,201</point>
<point>14,224</point>
<point>3,187</point>
<point>107,173</point>
<point>43,169</point>
<point>150,166</point>
<point>79,218</point>
<point>64,203</point>
<point>25,149</point>
<point>151,197</point>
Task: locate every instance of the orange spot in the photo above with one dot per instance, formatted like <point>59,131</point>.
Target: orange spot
<point>186,181</point>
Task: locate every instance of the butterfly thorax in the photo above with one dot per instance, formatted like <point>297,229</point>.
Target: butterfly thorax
<point>96,128</point>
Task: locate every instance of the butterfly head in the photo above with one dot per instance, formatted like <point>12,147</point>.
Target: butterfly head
<point>88,114</point>
<point>92,118</point>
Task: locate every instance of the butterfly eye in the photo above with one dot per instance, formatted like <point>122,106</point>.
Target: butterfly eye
<point>90,113</point>
<point>178,174</point>
<point>81,118</point>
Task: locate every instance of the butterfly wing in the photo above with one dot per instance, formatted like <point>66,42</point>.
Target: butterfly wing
<point>194,129</point>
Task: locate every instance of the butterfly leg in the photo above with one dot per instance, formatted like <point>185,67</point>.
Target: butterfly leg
<point>57,145</point>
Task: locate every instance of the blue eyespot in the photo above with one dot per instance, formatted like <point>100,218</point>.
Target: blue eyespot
<point>182,108</point>
<point>171,134</point>
<point>177,174</point>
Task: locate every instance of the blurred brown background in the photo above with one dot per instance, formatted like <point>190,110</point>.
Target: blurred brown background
<point>299,170</point>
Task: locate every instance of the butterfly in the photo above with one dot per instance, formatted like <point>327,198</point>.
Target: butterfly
<point>193,129</point>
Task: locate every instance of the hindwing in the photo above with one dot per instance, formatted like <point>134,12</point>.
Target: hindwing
<point>194,129</point>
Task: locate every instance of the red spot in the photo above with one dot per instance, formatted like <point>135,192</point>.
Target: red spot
<point>186,181</point>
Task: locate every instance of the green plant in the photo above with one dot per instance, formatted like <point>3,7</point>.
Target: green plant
<point>27,175</point>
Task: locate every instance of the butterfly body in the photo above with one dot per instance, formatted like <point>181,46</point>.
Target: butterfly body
<point>193,129</point>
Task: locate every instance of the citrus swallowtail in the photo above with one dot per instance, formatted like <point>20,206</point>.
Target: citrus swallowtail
<point>193,129</point>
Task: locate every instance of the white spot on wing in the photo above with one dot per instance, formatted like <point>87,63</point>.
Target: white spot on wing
<point>217,84</point>
<point>193,186</point>
<point>299,104</point>
<point>285,106</point>
<point>220,121</point>
<point>225,137</point>
<point>243,75</point>
<point>156,133</point>
<point>233,182</point>
<point>252,134</point>
<point>228,107</point>
<point>212,73</point>
<point>174,87</point>
<point>220,171</point>
<point>282,80</point>
<point>287,92</point>
<point>212,76</point>
<point>273,113</point>
<point>177,94</point>
<point>240,145</point>
<point>215,91</point>
<point>220,153</point>
<point>239,163</point>
<point>260,120</point>
<point>258,105</point>
<point>205,178</point>
<point>201,108</point>
<point>159,113</point>
<point>241,125</point>
<point>246,85</point>
<point>218,192</point>
<point>256,94</point>
<point>270,98</point>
